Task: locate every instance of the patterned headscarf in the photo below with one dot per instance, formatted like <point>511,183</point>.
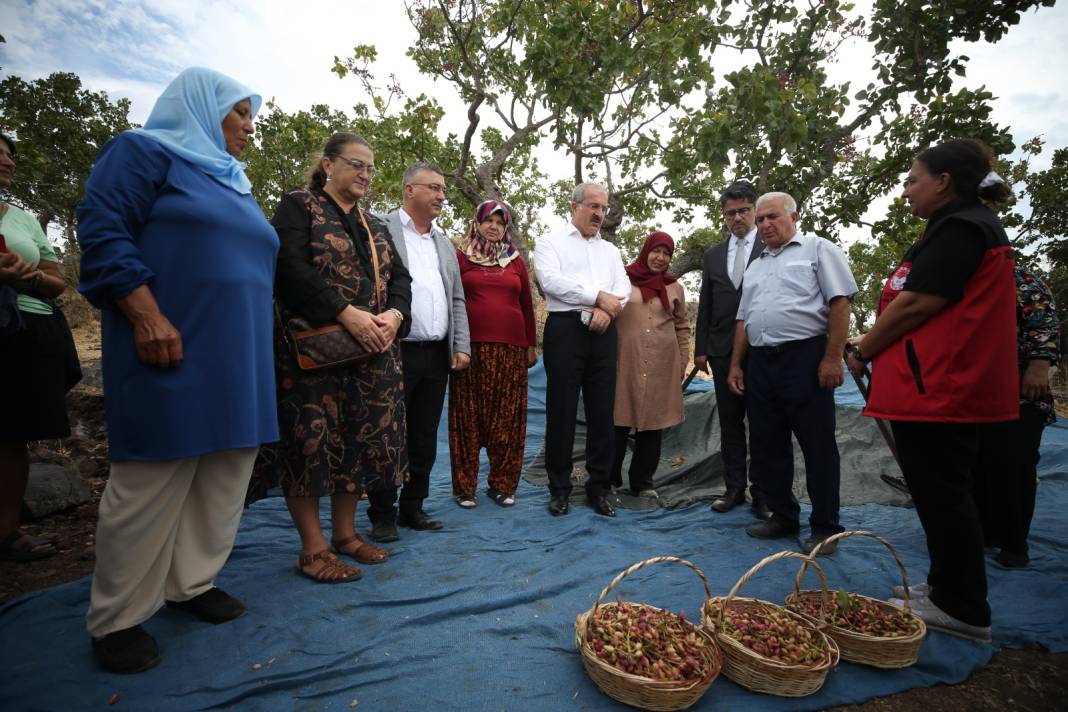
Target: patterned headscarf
<point>480,250</point>
<point>187,119</point>
<point>652,284</point>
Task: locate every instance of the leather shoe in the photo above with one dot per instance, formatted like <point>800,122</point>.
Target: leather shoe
<point>810,544</point>
<point>212,606</point>
<point>128,650</point>
<point>774,528</point>
<point>420,521</point>
<point>729,500</point>
<point>384,531</point>
<point>558,506</point>
<point>760,509</point>
<point>601,505</point>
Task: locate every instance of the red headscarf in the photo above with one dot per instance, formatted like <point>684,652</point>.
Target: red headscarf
<point>652,284</point>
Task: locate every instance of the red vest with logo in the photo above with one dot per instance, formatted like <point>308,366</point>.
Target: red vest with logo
<point>959,366</point>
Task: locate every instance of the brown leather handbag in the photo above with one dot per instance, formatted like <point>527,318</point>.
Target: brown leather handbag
<point>316,348</point>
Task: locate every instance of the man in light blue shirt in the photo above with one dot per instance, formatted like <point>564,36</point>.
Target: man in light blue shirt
<point>792,323</point>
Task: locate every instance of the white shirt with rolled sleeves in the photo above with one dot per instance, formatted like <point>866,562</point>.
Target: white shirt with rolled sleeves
<point>572,270</point>
<point>430,306</point>
<point>786,296</point>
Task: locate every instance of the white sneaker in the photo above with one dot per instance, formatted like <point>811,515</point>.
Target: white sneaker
<point>938,619</point>
<point>920,590</point>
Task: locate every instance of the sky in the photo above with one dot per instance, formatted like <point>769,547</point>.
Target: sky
<point>284,50</point>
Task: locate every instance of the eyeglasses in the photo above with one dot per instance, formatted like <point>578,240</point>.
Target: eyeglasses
<point>359,166</point>
<point>596,207</point>
<point>434,187</point>
<point>740,212</point>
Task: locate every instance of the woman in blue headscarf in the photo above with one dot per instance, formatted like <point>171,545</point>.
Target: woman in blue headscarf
<point>180,259</point>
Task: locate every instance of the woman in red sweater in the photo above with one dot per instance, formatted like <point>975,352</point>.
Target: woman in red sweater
<point>488,401</point>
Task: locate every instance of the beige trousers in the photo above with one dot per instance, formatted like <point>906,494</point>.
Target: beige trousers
<point>165,530</point>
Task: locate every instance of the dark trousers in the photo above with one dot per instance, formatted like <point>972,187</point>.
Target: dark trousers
<point>426,376</point>
<point>1006,479</point>
<point>578,359</point>
<point>783,396</point>
<point>643,461</point>
<point>937,460</point>
<point>732,437</point>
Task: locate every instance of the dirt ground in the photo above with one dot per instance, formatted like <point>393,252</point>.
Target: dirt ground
<point>1028,680</point>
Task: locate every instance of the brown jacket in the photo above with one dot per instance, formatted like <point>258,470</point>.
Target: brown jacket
<point>654,347</point>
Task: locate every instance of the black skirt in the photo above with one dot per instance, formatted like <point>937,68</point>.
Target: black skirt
<point>38,365</point>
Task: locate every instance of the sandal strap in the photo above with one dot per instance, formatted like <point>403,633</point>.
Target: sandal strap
<point>339,543</point>
<point>331,564</point>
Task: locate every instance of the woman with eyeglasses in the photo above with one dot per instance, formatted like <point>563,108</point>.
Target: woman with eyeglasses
<point>342,428</point>
<point>488,400</point>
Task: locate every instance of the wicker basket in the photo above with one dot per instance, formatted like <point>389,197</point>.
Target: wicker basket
<point>890,653</point>
<point>753,670</point>
<point>635,690</point>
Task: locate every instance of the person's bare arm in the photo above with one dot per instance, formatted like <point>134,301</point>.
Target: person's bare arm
<point>830,372</point>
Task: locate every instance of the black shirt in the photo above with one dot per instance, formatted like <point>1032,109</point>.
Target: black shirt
<point>947,256</point>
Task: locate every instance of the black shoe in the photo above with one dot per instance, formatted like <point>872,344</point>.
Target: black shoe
<point>897,483</point>
<point>128,650</point>
<point>774,528</point>
<point>729,500</point>
<point>420,521</point>
<point>384,531</point>
<point>809,545</point>
<point>760,509</point>
<point>212,606</point>
<point>1010,560</point>
<point>599,504</point>
<point>558,506</point>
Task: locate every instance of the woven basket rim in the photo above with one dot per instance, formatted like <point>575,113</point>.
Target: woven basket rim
<point>660,685</point>
<point>833,652</point>
<point>838,630</point>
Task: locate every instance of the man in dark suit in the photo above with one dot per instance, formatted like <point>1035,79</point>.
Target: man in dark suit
<point>721,289</point>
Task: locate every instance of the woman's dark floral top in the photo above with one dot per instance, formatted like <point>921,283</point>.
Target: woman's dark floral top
<point>1038,332</point>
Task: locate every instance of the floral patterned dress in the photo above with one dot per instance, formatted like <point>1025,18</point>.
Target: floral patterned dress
<point>342,429</point>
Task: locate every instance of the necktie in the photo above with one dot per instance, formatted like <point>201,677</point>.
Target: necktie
<point>739,262</point>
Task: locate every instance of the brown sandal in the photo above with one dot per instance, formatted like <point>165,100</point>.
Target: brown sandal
<point>332,570</point>
<point>365,553</point>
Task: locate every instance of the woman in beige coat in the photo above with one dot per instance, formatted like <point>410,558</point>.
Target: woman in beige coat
<point>654,343</point>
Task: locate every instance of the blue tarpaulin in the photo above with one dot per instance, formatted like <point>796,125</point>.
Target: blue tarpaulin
<point>480,615</point>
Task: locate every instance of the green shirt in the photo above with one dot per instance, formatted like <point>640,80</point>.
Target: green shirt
<point>24,237</point>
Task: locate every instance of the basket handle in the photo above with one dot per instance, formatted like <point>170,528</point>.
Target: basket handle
<point>824,600</point>
<point>641,565</point>
<point>844,535</point>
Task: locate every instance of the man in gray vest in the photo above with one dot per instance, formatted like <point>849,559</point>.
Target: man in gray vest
<point>721,289</point>
<point>439,340</point>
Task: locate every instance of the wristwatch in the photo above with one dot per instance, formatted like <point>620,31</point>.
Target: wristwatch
<point>854,349</point>
<point>398,313</point>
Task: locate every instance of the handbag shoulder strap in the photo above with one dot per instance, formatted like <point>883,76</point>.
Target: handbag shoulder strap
<point>374,256</point>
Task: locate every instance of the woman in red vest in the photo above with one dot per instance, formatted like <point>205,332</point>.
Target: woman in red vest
<point>943,352</point>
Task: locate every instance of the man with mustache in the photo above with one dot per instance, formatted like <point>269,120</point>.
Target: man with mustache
<point>585,289</point>
<point>792,324</point>
<point>723,268</point>
<point>439,340</point>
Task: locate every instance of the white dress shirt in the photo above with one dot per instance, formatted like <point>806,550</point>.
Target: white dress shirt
<point>732,249</point>
<point>430,308</point>
<point>572,270</point>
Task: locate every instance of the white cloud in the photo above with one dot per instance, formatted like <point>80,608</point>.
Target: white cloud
<point>285,50</point>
